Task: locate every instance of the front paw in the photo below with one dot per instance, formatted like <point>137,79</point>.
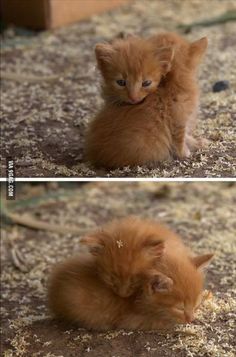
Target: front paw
<point>203,143</point>
<point>184,152</point>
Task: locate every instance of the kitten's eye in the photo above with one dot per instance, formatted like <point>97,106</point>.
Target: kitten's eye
<point>146,83</point>
<point>121,82</point>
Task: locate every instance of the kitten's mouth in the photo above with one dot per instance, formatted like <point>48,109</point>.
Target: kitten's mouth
<point>136,103</point>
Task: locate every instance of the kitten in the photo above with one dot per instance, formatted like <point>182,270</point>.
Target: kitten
<point>160,123</point>
<point>172,294</point>
<point>77,294</point>
<point>125,250</point>
<point>182,88</point>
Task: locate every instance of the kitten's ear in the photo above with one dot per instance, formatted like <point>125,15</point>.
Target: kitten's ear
<point>154,247</point>
<point>103,53</point>
<point>93,243</point>
<point>165,56</point>
<point>160,283</point>
<point>197,50</point>
<point>202,261</point>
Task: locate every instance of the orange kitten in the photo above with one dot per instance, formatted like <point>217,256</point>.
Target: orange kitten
<point>159,126</point>
<point>77,294</point>
<point>181,86</point>
<point>136,259</point>
<point>125,250</point>
<point>173,293</point>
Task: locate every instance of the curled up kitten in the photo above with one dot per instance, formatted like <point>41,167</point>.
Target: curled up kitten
<point>169,292</point>
<point>151,98</point>
<point>124,251</point>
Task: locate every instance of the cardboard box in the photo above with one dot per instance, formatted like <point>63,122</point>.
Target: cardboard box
<point>49,14</point>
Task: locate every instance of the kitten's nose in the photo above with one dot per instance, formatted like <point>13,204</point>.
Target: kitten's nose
<point>134,99</point>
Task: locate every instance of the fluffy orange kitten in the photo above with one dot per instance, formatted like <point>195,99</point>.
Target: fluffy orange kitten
<point>168,293</point>
<point>125,250</point>
<point>158,75</point>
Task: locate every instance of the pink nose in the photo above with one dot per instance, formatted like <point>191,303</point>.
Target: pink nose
<point>134,99</point>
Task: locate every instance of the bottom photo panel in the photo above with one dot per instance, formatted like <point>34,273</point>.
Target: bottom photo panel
<point>119,269</point>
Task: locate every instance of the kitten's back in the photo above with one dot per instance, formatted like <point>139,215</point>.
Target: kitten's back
<point>76,295</point>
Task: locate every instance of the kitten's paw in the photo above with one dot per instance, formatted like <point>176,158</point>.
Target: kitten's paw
<point>196,143</point>
<point>203,143</point>
<point>187,152</point>
<point>184,152</point>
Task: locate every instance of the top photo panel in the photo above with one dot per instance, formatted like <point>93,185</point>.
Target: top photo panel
<point>115,89</point>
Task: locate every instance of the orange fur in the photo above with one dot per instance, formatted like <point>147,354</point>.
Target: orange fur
<point>125,250</point>
<point>158,127</point>
<point>170,293</point>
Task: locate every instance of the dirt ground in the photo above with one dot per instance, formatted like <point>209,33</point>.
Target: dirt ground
<point>45,118</point>
<point>202,213</point>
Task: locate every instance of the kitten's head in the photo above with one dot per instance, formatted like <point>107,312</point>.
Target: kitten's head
<point>131,68</point>
<point>175,288</point>
<point>125,250</point>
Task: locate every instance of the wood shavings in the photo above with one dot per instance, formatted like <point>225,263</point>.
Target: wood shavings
<point>18,260</point>
<point>26,78</point>
<point>24,293</point>
<point>119,243</point>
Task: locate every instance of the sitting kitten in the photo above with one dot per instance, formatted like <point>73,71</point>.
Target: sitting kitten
<point>158,75</point>
<point>181,86</point>
<point>169,296</point>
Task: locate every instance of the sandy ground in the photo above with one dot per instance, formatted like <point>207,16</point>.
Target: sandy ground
<point>44,120</point>
<point>204,215</point>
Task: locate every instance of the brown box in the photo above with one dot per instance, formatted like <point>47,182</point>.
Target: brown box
<point>48,14</point>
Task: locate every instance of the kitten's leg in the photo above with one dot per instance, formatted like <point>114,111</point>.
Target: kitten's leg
<point>196,143</point>
<point>179,141</point>
<point>191,142</point>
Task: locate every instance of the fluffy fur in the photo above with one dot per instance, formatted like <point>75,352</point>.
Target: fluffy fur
<point>169,294</point>
<point>134,60</point>
<point>160,124</point>
<point>125,250</point>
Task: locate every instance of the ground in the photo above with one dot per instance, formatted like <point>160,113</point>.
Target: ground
<point>45,117</point>
<point>202,213</point>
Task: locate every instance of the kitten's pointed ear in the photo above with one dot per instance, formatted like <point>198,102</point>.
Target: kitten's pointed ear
<point>160,283</point>
<point>154,247</point>
<point>93,243</point>
<point>197,50</point>
<point>202,261</point>
<point>103,53</point>
<point>165,56</point>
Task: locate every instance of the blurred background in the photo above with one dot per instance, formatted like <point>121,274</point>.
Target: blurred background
<point>49,14</point>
